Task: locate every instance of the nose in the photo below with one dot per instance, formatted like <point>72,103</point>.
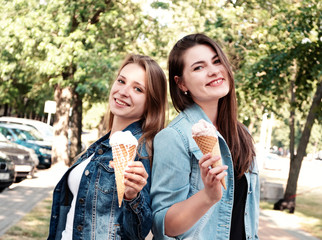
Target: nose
<point>213,71</point>
<point>124,90</point>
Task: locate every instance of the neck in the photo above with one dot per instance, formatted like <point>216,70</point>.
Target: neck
<point>120,124</point>
<point>211,110</point>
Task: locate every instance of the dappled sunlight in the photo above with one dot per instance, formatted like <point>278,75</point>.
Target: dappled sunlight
<point>280,225</point>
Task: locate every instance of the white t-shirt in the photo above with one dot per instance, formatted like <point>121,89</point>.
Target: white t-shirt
<point>74,179</point>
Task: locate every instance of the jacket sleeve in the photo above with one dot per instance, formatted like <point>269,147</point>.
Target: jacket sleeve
<point>170,176</point>
<point>137,213</point>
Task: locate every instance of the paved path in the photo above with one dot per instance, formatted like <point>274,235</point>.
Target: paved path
<point>20,198</point>
<point>276,225</point>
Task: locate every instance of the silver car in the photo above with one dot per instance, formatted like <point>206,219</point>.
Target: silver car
<point>25,159</point>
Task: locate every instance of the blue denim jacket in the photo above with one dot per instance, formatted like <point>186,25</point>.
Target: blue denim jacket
<point>176,177</point>
<point>97,214</point>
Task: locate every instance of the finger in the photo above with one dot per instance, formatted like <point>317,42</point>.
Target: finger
<point>211,161</point>
<point>137,169</point>
<point>133,186</point>
<point>210,177</point>
<point>219,169</point>
<point>221,175</point>
<point>135,178</point>
<point>204,158</point>
<point>203,163</point>
<point>111,164</point>
<point>135,164</point>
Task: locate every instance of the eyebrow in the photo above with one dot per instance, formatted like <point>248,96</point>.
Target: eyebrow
<point>136,82</point>
<point>198,62</point>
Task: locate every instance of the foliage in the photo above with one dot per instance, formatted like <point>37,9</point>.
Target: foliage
<point>80,44</point>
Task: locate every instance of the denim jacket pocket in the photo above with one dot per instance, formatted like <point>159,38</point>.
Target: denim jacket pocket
<point>105,177</point>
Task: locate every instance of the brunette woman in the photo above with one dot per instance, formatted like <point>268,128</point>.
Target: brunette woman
<point>188,201</point>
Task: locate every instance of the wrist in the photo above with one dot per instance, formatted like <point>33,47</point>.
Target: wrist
<point>208,200</point>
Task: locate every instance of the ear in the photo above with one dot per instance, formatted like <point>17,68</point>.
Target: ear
<point>180,84</point>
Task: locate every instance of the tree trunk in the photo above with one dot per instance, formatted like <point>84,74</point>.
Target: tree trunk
<point>296,161</point>
<point>6,108</point>
<point>76,127</point>
<point>103,125</point>
<point>60,145</point>
<point>292,122</point>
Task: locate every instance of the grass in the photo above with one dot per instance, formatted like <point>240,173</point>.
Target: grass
<point>310,207</point>
<point>34,225</point>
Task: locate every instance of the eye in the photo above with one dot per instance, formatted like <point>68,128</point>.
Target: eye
<point>216,61</point>
<point>197,68</point>
<point>120,81</point>
<point>138,89</point>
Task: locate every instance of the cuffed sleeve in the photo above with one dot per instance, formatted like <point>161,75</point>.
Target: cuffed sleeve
<point>137,213</point>
<point>170,176</point>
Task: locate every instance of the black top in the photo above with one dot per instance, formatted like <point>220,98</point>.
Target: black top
<point>237,228</point>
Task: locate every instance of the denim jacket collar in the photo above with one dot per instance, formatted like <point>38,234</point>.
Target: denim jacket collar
<point>134,128</point>
<point>194,113</point>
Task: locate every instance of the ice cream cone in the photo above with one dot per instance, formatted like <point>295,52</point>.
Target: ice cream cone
<point>122,155</point>
<point>210,144</point>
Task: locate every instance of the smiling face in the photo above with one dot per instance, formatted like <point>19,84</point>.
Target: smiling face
<point>204,76</point>
<point>128,94</point>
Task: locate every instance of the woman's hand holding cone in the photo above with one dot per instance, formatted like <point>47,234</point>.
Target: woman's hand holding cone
<point>212,177</point>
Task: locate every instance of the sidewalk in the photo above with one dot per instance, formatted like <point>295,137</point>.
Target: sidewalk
<point>20,198</point>
<point>273,225</point>
<point>277,225</point>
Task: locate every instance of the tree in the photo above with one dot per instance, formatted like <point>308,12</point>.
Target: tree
<point>73,48</point>
<point>22,88</point>
<point>290,71</point>
<point>275,48</point>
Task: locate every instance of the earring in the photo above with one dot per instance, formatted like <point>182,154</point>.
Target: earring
<point>185,93</point>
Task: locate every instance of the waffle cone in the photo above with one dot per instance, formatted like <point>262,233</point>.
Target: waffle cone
<point>122,155</point>
<point>210,144</point>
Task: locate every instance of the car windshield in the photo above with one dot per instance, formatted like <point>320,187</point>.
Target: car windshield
<point>27,135</point>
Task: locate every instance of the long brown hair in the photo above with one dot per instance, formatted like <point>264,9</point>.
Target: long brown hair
<point>236,135</point>
<point>153,118</point>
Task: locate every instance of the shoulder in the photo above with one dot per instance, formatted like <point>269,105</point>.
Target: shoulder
<point>178,127</point>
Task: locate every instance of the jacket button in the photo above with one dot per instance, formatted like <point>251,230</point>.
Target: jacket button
<point>80,228</point>
<point>100,151</point>
<point>86,173</point>
<point>81,200</point>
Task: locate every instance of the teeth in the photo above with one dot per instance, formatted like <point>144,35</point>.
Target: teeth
<point>217,81</point>
<point>119,102</point>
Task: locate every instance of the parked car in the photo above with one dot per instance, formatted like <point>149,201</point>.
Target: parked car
<point>28,137</point>
<point>46,131</point>
<point>25,159</point>
<point>7,171</point>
